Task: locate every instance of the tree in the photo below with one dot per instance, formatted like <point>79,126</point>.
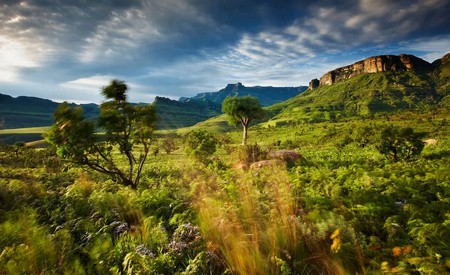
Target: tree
<point>243,110</point>
<point>168,144</point>
<point>201,144</point>
<point>127,129</point>
<point>400,143</point>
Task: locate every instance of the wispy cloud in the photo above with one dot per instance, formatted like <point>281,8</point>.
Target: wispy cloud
<point>178,48</point>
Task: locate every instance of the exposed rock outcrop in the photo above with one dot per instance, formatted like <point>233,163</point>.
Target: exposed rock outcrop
<point>375,64</point>
<point>313,84</point>
<point>442,61</point>
<point>286,155</point>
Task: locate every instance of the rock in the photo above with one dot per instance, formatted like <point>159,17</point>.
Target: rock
<point>266,163</point>
<point>375,64</point>
<point>144,251</point>
<point>314,84</point>
<point>286,155</point>
<point>240,166</point>
<point>430,141</point>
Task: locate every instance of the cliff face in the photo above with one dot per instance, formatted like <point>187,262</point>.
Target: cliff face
<point>375,64</point>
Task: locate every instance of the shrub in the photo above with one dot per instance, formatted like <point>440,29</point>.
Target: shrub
<point>400,143</point>
<point>201,144</point>
<point>168,145</point>
<point>251,153</point>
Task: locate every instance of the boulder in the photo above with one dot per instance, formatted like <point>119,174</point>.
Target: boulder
<point>286,155</point>
<point>266,163</point>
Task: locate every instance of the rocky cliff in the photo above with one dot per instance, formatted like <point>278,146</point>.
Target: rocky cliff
<point>375,64</point>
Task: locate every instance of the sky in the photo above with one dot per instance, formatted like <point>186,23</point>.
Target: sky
<point>68,50</point>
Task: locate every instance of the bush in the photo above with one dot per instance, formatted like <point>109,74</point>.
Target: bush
<point>251,153</point>
<point>400,143</point>
<point>201,144</point>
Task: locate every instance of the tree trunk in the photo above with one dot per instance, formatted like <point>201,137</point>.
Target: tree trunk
<point>244,135</point>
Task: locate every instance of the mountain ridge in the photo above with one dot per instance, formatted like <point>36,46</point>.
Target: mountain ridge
<point>418,86</point>
<point>26,111</point>
<point>375,64</point>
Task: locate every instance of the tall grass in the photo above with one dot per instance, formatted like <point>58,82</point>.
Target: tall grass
<point>252,220</point>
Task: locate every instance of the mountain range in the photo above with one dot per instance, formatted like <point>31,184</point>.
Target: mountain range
<point>22,112</point>
<point>189,111</point>
<point>376,84</point>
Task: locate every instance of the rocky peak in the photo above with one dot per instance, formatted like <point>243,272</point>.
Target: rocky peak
<point>234,87</point>
<point>442,61</point>
<point>375,64</point>
<point>314,84</point>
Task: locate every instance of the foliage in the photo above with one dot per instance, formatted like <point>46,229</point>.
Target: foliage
<point>168,145</point>
<point>201,144</point>
<point>126,126</point>
<point>400,143</point>
<point>243,110</point>
<point>347,210</point>
<point>18,146</point>
<point>251,153</point>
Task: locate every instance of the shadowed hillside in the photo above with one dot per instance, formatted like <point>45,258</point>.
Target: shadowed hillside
<point>23,111</point>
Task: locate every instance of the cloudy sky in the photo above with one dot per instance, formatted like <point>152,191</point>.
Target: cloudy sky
<point>69,49</point>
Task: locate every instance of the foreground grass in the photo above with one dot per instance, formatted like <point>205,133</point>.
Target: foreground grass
<point>345,210</point>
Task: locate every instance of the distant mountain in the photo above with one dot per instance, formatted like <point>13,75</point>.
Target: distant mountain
<point>174,114</point>
<point>377,84</point>
<point>189,111</point>
<point>25,111</point>
<point>267,95</point>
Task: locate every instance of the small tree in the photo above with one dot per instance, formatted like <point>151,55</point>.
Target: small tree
<point>125,127</point>
<point>243,110</point>
<point>168,145</point>
<point>400,143</point>
<point>201,144</point>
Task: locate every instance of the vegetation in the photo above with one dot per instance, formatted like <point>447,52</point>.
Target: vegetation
<point>243,110</point>
<point>400,143</point>
<point>345,210</point>
<point>125,127</point>
<point>200,144</point>
<point>342,208</point>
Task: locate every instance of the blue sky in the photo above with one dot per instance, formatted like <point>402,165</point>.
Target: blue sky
<point>68,50</point>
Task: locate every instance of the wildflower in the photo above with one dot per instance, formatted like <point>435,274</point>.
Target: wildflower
<point>336,237</point>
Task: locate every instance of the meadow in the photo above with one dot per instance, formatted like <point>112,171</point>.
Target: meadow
<point>341,208</point>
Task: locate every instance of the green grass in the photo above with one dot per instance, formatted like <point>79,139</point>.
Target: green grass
<point>31,130</point>
<point>31,135</point>
<point>363,95</point>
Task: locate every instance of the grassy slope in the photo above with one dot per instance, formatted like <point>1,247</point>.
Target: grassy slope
<point>173,114</point>
<point>11,136</point>
<point>25,112</point>
<point>364,95</point>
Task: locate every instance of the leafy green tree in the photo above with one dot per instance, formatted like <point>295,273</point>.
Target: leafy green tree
<point>201,144</point>
<point>127,129</point>
<point>243,110</point>
<point>400,143</point>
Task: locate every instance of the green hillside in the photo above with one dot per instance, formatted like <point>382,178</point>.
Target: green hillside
<point>188,111</point>
<point>24,112</point>
<point>367,95</point>
<point>174,114</point>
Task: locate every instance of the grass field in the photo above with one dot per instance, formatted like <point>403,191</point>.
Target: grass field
<point>11,136</point>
